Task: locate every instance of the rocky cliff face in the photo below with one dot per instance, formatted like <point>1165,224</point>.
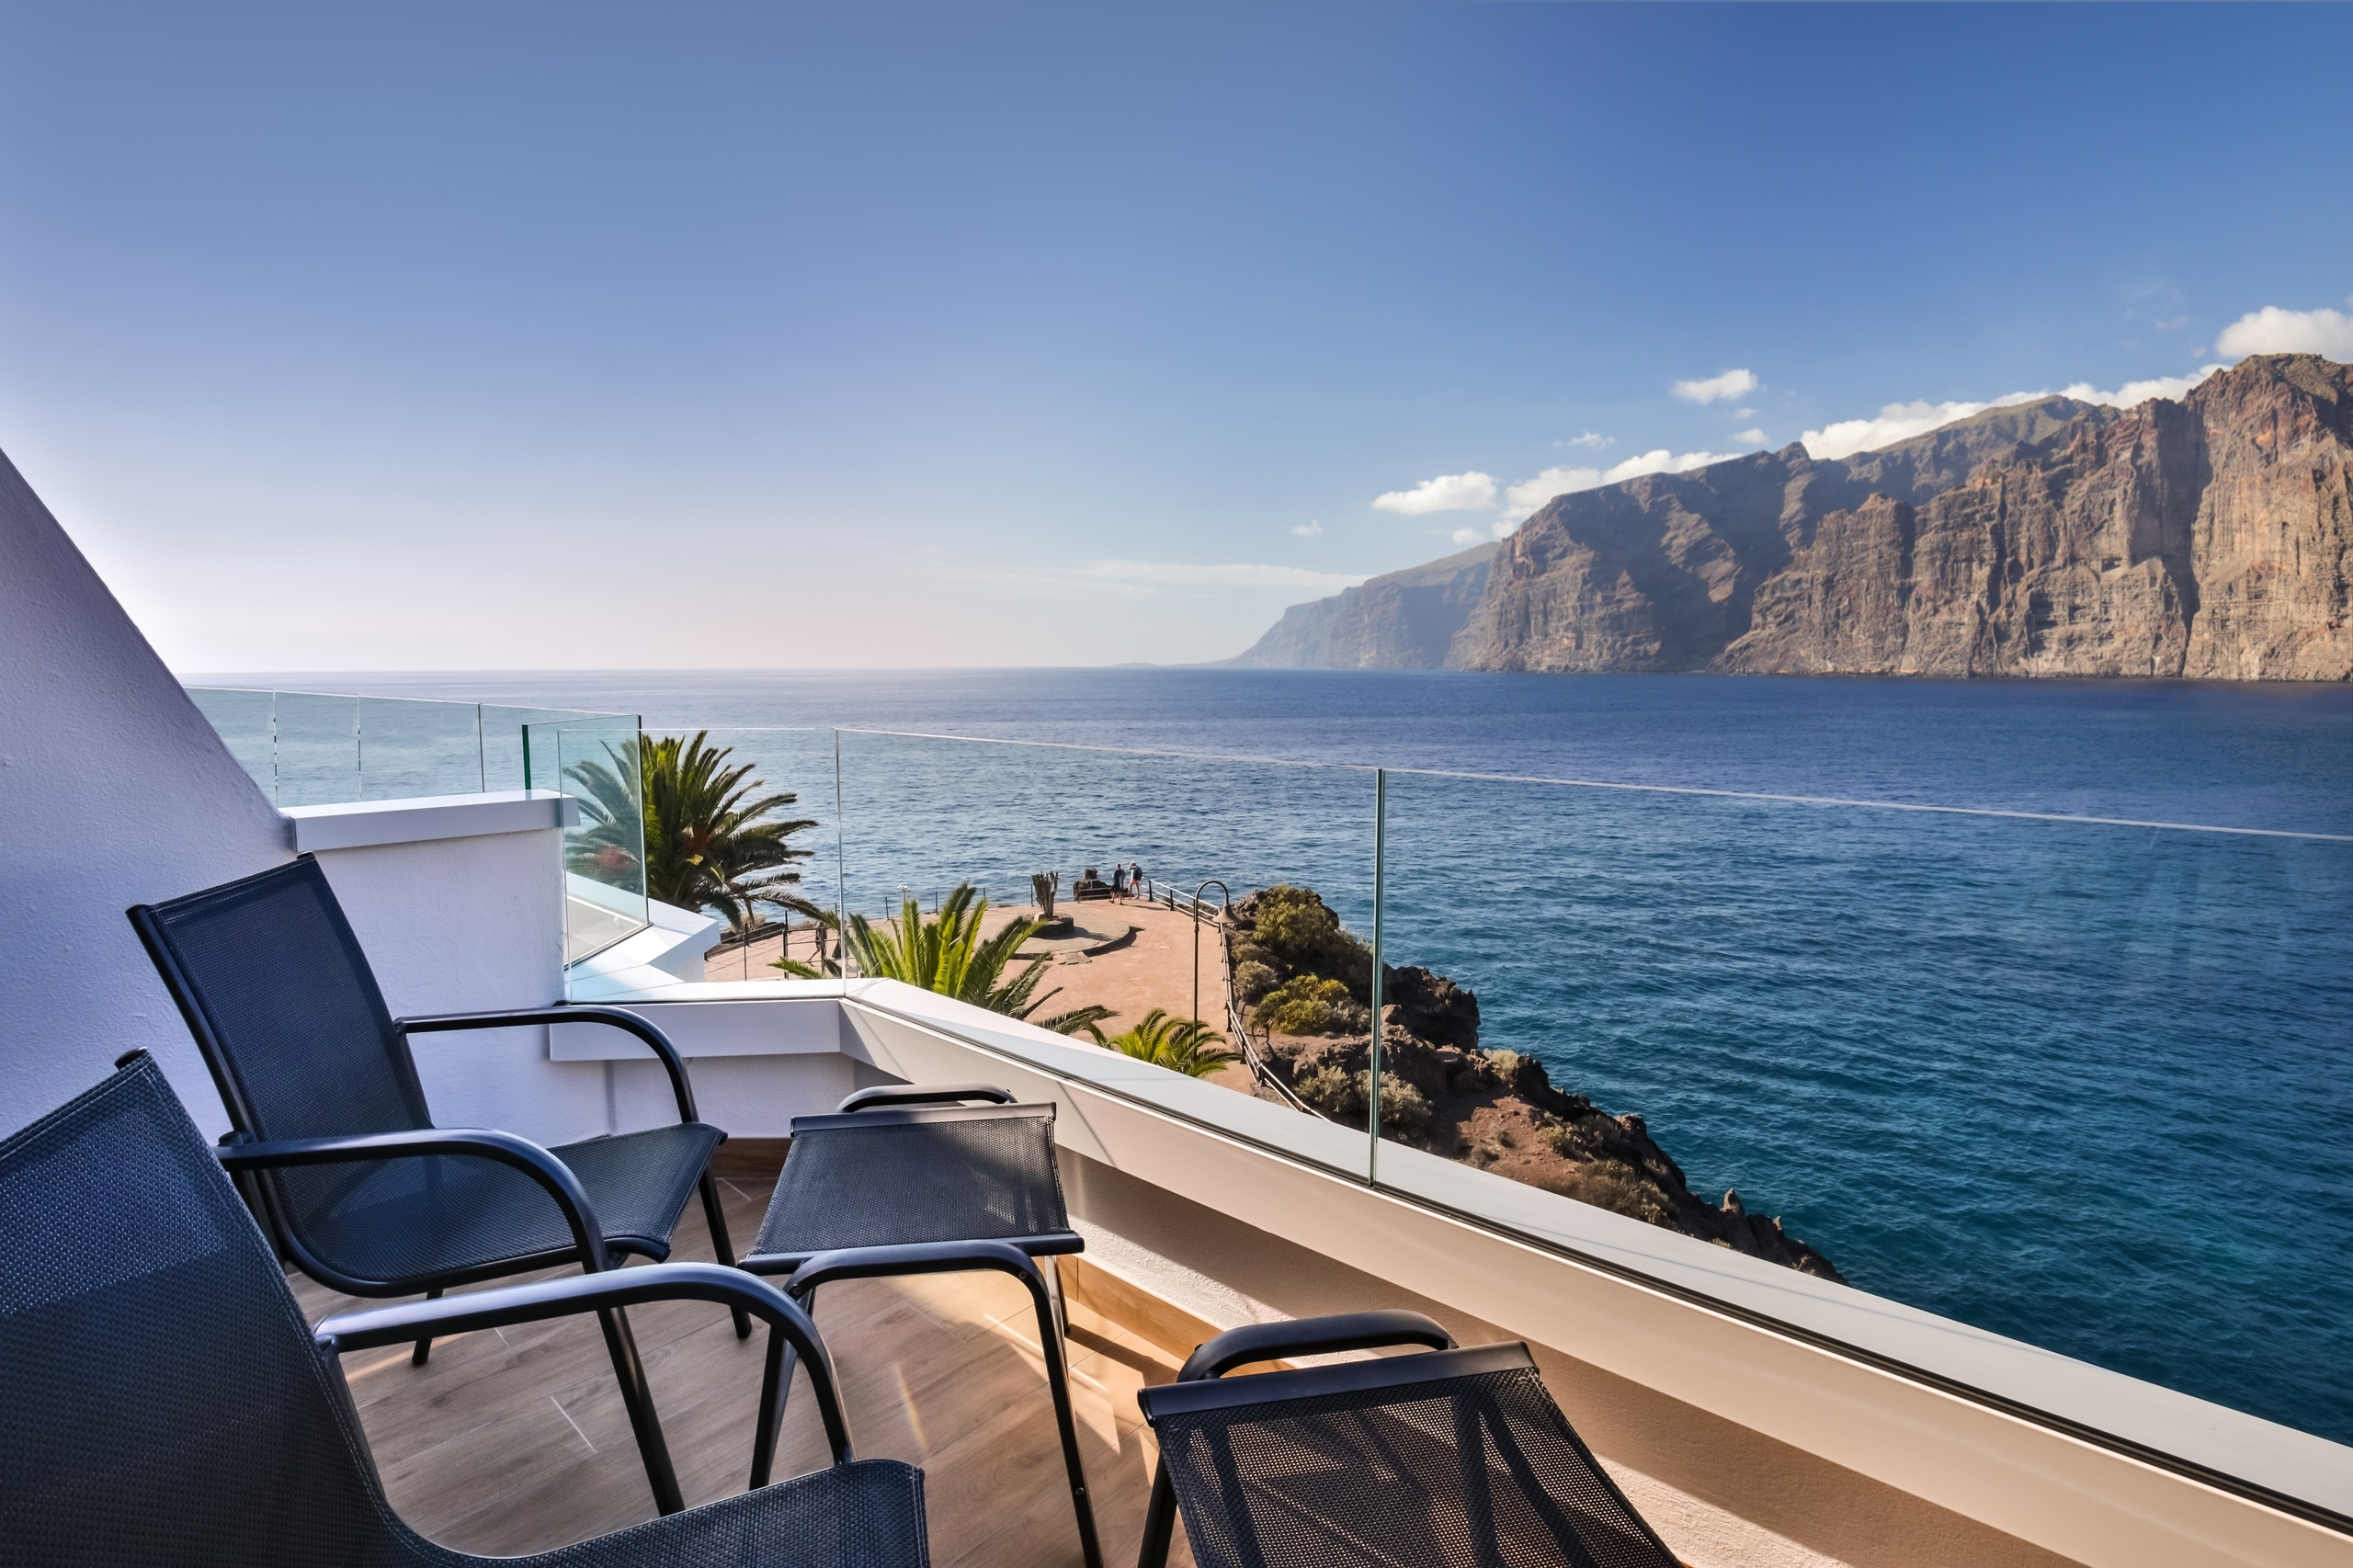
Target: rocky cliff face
<point>1407,620</point>
<point>1305,981</point>
<point>2209,537</point>
<point>2272,538</point>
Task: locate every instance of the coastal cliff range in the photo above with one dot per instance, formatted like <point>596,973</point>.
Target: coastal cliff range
<point>2210,538</point>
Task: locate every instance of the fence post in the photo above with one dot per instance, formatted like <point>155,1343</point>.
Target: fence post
<point>1372,1070</point>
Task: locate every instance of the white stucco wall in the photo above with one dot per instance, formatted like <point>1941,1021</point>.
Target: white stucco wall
<point>114,790</point>
<point>468,925</point>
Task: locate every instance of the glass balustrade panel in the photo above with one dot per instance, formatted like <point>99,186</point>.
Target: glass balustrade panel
<point>2078,1083</point>
<point>771,884</point>
<point>410,748</point>
<point>595,762</point>
<point>503,754</point>
<point>932,828</point>
<point>244,721</point>
<point>318,749</point>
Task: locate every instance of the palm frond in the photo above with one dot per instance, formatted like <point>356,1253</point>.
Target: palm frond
<point>1182,1045</point>
<point>946,953</point>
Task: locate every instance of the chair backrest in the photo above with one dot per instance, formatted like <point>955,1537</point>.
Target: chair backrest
<point>1455,1456</point>
<point>161,1400</point>
<point>282,1000</point>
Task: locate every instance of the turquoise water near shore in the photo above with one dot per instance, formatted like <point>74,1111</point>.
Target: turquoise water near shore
<point>2081,1082</point>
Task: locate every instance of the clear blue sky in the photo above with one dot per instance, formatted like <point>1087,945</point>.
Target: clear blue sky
<point>535,336</point>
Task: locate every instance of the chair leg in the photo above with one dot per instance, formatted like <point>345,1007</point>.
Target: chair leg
<point>425,1346</point>
<point>1057,1378</point>
<point>1159,1520</point>
<point>721,1245</point>
<point>775,1386</point>
<point>650,1448</point>
<point>1052,1268</point>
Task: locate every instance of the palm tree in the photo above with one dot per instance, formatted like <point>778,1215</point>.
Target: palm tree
<point>707,842</point>
<point>1181,1045</point>
<point>946,953</point>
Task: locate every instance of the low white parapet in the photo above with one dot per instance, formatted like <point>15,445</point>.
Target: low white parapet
<point>360,824</point>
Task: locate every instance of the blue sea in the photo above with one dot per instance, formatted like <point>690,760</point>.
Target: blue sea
<point>2083,1083</point>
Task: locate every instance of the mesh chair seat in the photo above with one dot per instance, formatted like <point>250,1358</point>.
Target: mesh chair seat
<point>926,1174</point>
<point>1454,1458</point>
<point>162,1401</point>
<point>449,1221</point>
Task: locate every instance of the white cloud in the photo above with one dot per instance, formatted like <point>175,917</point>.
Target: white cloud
<point>1468,536</point>
<point>1525,497</point>
<point>1234,576</point>
<point>1731,384</point>
<point>2132,394</point>
<point>1744,413</point>
<point>1307,530</point>
<point>2274,331</point>
<point>1754,437</point>
<point>1528,496</point>
<point>1662,462</point>
<point>1472,492</point>
<point>1897,421</point>
<point>1902,421</point>
<point>1593,438</point>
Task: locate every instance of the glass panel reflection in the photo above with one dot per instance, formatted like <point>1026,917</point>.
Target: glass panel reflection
<point>1098,857</point>
<point>740,827</point>
<point>597,762</point>
<point>2046,1077</point>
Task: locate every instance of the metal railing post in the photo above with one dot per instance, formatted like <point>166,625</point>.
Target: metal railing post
<point>1372,1070</point>
<point>841,875</point>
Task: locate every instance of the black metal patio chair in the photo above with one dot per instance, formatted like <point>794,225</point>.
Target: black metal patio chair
<point>906,1179</point>
<point>162,1402</point>
<point>356,1186</point>
<point>1453,1457</point>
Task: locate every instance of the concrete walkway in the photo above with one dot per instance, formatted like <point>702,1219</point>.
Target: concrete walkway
<point>1156,969</point>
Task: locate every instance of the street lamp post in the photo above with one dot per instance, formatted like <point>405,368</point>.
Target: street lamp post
<point>1226,907</point>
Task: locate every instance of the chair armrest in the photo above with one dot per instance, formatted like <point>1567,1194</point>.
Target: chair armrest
<point>912,1257</point>
<point>476,1310</point>
<point>620,1019</point>
<point>1310,1336</point>
<point>480,1143</point>
<point>922,1094</point>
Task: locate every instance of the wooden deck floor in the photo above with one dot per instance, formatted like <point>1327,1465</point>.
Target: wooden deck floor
<point>515,1440</point>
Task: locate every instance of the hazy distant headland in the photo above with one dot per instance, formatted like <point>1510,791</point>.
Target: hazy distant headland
<point>2209,537</point>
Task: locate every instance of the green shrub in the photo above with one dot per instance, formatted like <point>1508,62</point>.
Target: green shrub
<point>1253,979</point>
<point>1335,1091</point>
<point>1617,1187</point>
<point>1346,1096</point>
<point>1299,929</point>
<point>1304,1005</point>
<point>1405,1112</point>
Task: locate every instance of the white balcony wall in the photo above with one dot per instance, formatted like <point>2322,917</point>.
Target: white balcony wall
<point>115,791</point>
<point>472,925</point>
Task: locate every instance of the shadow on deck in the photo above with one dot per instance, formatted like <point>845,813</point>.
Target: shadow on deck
<point>515,1440</point>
